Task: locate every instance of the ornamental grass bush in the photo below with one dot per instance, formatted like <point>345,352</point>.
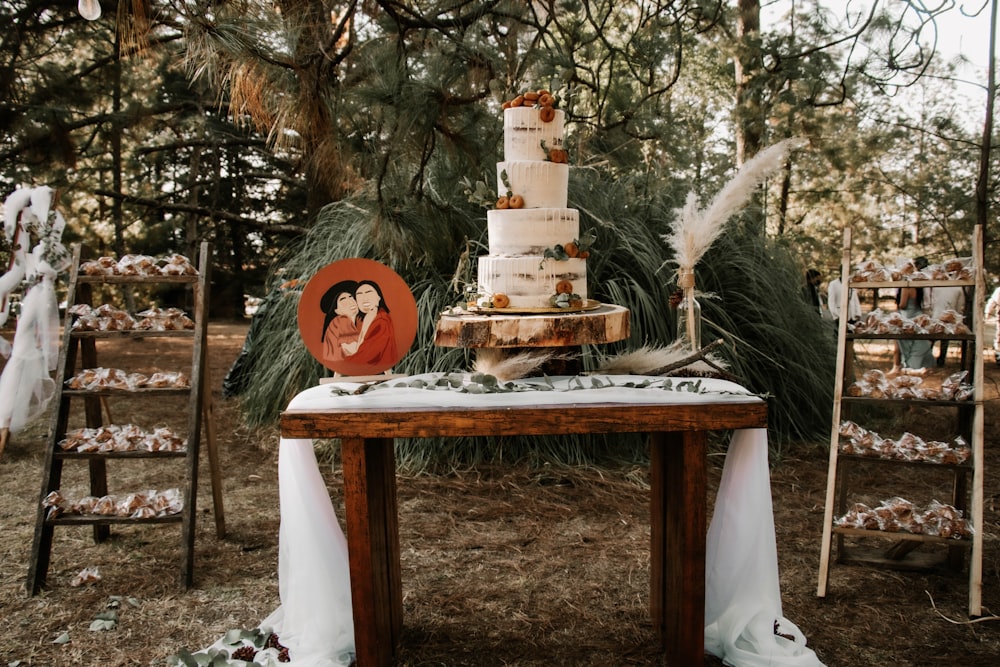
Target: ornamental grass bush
<point>774,341</point>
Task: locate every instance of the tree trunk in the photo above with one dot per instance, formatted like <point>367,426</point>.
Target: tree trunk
<point>749,113</point>
<point>983,182</point>
<point>749,116</point>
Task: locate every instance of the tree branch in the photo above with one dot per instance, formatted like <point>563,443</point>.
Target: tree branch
<point>212,213</point>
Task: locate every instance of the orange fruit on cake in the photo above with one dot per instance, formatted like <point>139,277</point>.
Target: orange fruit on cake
<point>516,201</point>
<point>501,300</point>
<point>564,287</point>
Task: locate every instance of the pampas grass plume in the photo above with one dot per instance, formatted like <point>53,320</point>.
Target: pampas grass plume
<point>647,359</point>
<point>506,367</point>
<point>695,230</point>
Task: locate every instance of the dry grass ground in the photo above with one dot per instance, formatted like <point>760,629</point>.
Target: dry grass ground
<point>502,565</point>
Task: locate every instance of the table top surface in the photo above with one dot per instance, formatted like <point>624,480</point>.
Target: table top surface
<point>457,404</point>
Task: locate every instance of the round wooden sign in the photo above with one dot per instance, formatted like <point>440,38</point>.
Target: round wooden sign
<point>357,317</point>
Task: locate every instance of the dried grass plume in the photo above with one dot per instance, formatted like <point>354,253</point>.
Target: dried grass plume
<point>646,360</point>
<point>505,367</point>
<point>696,229</point>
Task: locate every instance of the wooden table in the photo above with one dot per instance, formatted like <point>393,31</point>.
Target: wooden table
<point>678,441</point>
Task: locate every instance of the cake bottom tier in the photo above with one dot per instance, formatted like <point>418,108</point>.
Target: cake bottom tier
<point>529,281</point>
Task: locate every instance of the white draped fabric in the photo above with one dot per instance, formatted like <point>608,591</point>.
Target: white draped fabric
<point>743,599</point>
<point>743,619</point>
<point>26,386</point>
<point>314,620</point>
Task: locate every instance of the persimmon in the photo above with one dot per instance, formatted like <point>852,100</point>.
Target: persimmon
<point>531,97</point>
<point>546,100</point>
<point>501,300</point>
<point>546,114</point>
<point>517,101</point>
<point>516,201</point>
<point>503,202</point>
<point>559,155</point>
<point>564,287</point>
<point>572,249</point>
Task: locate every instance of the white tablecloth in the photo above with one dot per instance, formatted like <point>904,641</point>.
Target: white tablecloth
<point>743,599</point>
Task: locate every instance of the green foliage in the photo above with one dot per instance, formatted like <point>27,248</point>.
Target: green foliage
<point>774,340</point>
<point>292,141</point>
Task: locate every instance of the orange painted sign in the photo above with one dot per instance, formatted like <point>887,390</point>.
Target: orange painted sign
<point>357,317</point>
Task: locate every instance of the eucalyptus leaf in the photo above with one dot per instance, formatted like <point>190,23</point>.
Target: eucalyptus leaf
<point>61,639</point>
<point>182,658</point>
<point>232,637</point>
<point>100,624</point>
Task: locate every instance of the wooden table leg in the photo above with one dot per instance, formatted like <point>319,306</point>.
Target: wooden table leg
<point>678,529</point>
<point>373,548</point>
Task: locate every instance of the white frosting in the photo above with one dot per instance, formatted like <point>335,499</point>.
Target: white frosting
<point>518,238</point>
<point>524,133</point>
<point>541,184</point>
<point>529,231</point>
<point>530,281</point>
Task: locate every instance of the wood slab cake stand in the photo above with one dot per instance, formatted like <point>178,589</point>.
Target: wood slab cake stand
<point>496,335</point>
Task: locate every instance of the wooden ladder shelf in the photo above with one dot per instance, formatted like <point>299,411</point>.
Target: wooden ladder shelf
<point>843,481</point>
<point>79,353</point>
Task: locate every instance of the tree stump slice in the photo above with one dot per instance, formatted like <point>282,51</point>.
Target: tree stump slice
<point>605,324</point>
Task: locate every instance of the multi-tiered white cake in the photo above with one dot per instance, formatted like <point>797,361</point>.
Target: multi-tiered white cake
<point>535,257</point>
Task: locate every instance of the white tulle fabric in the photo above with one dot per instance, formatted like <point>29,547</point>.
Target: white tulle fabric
<point>26,385</point>
<point>314,620</point>
<point>743,617</point>
<point>743,600</point>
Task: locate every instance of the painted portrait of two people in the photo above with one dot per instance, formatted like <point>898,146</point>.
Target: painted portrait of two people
<point>357,317</point>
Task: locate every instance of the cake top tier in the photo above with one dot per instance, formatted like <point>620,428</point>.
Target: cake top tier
<point>527,137</point>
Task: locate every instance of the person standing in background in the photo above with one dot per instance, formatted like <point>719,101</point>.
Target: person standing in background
<point>950,297</point>
<point>992,309</point>
<point>834,295</point>
<point>811,291</point>
<point>913,353</point>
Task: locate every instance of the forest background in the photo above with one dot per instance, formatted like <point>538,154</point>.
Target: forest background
<point>294,133</point>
